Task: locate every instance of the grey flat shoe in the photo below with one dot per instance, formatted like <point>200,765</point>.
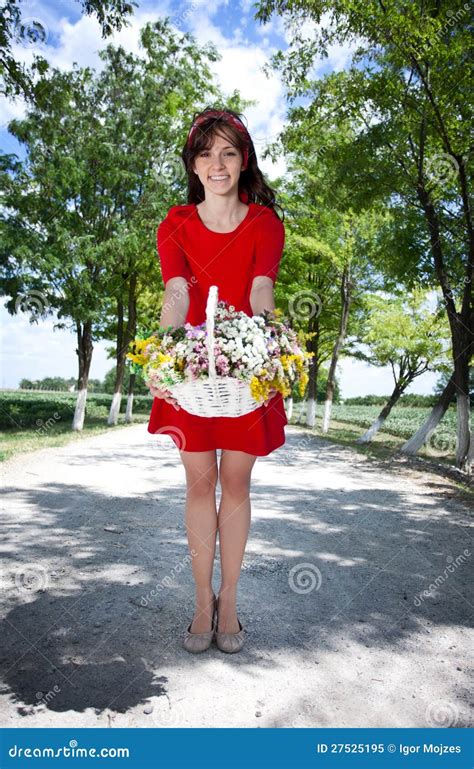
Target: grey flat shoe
<point>230,642</point>
<point>199,642</point>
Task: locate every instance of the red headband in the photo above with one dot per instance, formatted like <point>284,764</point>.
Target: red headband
<point>236,122</point>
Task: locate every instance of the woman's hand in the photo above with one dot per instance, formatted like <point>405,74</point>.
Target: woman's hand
<point>271,394</point>
<point>166,395</point>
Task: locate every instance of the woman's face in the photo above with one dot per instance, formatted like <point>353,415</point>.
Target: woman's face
<point>219,167</point>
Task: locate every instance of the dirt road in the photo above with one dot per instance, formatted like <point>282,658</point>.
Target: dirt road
<point>354,593</point>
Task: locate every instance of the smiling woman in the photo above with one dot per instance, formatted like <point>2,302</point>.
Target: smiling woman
<point>228,235</point>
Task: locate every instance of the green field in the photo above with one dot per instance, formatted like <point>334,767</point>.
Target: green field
<point>33,420</point>
<point>36,420</point>
<point>349,422</point>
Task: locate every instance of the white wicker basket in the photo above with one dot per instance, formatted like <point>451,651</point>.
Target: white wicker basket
<point>214,396</point>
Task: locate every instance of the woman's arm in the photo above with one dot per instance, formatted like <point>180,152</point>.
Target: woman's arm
<point>173,313</point>
<point>175,302</point>
<point>261,298</point>
<point>261,294</point>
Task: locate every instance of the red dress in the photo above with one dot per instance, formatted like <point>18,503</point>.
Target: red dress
<point>229,260</point>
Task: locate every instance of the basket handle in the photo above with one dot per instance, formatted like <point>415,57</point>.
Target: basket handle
<point>210,318</point>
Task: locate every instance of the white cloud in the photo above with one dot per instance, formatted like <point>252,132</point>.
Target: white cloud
<point>34,351</point>
<point>79,41</point>
<point>240,68</point>
<point>339,55</point>
<point>358,378</point>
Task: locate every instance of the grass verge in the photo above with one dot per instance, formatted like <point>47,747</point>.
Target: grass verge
<point>23,441</point>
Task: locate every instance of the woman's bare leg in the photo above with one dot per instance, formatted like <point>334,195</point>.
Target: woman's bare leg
<point>233,522</point>
<point>201,526</point>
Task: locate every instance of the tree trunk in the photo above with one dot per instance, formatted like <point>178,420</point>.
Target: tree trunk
<point>461,325</point>
<point>469,466</point>
<point>289,407</point>
<point>84,353</point>
<point>131,386</point>
<point>422,435</point>
<point>124,337</point>
<point>377,424</point>
<point>300,419</point>
<point>312,346</point>
<point>345,306</point>
<point>464,432</point>
<point>131,330</point>
<point>119,367</point>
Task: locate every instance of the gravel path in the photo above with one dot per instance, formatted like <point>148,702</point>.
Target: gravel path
<point>97,592</point>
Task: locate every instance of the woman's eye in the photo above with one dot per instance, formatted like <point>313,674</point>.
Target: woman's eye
<point>205,152</point>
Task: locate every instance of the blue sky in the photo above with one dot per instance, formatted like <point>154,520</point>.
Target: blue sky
<point>36,350</point>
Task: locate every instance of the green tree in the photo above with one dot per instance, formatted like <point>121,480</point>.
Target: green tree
<point>18,80</point>
<point>330,249</point>
<point>108,383</point>
<point>407,95</point>
<point>80,214</point>
<point>401,333</point>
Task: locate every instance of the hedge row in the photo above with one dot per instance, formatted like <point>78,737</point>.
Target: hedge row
<point>25,410</point>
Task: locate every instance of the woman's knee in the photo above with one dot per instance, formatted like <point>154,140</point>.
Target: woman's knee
<point>236,484</point>
<point>201,485</point>
<point>201,472</point>
<point>201,481</point>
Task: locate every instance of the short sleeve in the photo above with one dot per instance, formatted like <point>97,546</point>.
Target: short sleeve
<point>173,260</point>
<point>268,245</point>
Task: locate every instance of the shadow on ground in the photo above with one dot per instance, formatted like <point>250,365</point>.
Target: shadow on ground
<point>98,591</point>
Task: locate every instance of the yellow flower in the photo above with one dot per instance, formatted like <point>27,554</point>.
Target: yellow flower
<point>303,382</point>
<point>140,359</point>
<point>137,350</point>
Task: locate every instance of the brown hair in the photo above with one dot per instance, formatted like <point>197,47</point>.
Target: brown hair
<point>251,179</point>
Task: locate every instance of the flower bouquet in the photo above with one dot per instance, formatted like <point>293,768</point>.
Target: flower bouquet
<point>227,366</point>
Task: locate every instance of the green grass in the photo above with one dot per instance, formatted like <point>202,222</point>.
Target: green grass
<point>350,422</point>
<point>21,441</point>
<point>38,420</point>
